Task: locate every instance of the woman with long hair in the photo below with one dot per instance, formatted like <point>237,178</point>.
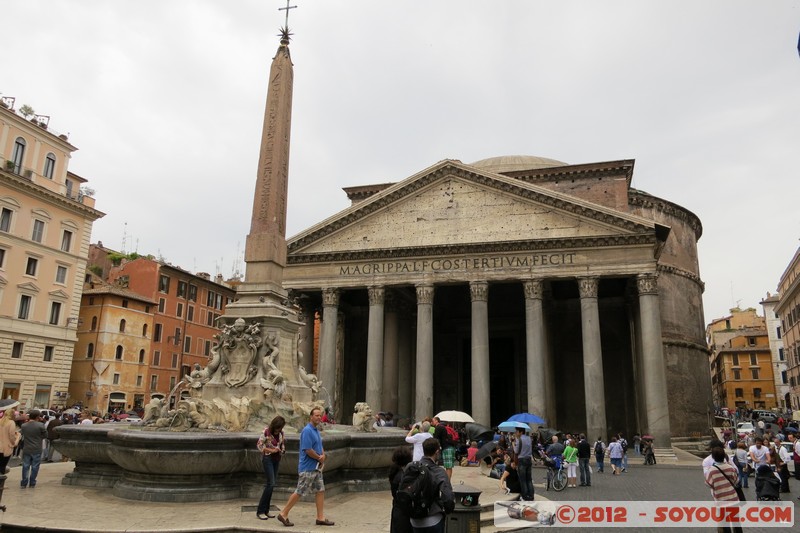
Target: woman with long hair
<point>272,447</point>
<point>8,432</point>
<point>400,458</point>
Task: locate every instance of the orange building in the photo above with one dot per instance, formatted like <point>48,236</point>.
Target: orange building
<point>110,365</point>
<point>742,371</point>
<point>185,315</point>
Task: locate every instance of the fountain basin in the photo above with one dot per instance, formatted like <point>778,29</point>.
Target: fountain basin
<point>207,466</point>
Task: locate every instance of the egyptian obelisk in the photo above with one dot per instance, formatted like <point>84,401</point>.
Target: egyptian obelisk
<point>261,302</point>
<point>265,248</point>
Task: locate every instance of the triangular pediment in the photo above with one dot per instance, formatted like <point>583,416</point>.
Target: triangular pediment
<point>59,294</point>
<point>452,204</point>
<point>28,287</point>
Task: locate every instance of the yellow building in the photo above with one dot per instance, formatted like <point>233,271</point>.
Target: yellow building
<point>45,227</point>
<point>742,373</point>
<point>111,357</point>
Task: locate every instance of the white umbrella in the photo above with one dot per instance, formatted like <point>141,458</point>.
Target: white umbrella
<point>454,416</point>
<point>72,411</point>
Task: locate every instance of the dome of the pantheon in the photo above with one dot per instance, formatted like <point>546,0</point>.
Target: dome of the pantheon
<point>512,163</point>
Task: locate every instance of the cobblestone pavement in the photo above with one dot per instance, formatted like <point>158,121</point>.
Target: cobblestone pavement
<point>653,483</point>
<point>95,510</point>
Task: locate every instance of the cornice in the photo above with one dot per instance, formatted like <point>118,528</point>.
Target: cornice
<point>473,249</point>
<point>686,344</point>
<point>542,196</point>
<point>683,273</point>
<point>642,199</point>
<point>589,170</point>
<point>62,201</point>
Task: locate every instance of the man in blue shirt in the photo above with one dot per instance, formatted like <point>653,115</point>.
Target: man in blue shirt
<point>309,471</point>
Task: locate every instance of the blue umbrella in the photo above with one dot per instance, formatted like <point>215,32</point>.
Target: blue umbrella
<point>527,418</point>
<point>510,425</point>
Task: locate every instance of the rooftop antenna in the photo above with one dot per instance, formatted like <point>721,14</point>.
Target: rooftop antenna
<point>124,237</point>
<point>285,34</point>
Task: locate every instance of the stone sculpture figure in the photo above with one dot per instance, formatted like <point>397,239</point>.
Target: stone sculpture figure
<point>309,380</point>
<point>362,417</point>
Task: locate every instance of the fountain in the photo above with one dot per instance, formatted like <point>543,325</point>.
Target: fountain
<point>204,448</point>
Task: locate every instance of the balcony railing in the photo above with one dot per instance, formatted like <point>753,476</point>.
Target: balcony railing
<point>79,195</point>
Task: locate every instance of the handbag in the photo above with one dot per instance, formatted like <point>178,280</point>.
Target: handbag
<point>737,488</point>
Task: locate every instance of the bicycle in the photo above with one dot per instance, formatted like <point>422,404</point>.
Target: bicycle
<point>556,476</point>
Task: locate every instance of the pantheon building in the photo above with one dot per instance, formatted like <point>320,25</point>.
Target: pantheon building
<point>509,284</point>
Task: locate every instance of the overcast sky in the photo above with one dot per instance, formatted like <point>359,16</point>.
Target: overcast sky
<point>165,101</point>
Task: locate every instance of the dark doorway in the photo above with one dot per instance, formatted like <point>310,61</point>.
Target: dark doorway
<point>503,378</point>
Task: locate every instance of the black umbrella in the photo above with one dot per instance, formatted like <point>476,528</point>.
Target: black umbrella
<point>478,432</point>
<point>486,449</point>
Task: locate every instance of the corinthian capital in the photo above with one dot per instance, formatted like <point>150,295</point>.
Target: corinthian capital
<point>479,291</point>
<point>533,289</point>
<point>587,287</point>
<point>330,297</point>
<point>647,284</point>
<point>376,295</point>
<point>424,294</point>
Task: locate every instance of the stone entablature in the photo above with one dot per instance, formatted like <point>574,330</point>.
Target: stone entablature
<point>447,268</point>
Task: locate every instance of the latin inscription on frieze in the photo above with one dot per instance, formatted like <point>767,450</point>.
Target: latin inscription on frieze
<point>459,264</point>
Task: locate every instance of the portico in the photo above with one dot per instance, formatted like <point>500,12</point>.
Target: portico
<point>504,297</point>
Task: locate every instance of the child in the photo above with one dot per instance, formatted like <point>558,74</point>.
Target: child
<point>472,452</point>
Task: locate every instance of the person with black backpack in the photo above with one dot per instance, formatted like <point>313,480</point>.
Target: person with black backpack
<point>425,493</point>
<point>624,444</point>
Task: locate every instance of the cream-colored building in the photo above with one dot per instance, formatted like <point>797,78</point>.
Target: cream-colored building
<point>788,309</point>
<point>776,348</point>
<point>45,227</point>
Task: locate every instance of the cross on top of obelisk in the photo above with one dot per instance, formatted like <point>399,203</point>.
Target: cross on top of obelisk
<point>285,35</point>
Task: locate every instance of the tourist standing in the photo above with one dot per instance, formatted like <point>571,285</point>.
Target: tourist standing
<point>796,455</point>
<point>400,458</point>
<point>624,444</point>
<point>52,436</point>
<point>615,454</point>
<point>722,479</point>
<point>8,432</point>
<point>759,454</point>
<point>600,453</point>
<point>419,434</point>
<point>571,459</point>
<point>272,447</point>
<point>523,449</point>
<point>309,471</point>
<point>444,501</point>
<point>584,455</point>
<point>448,447</point>
<point>33,433</point>
<point>740,462</point>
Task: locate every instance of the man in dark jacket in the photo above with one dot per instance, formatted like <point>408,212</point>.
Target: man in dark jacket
<point>584,454</point>
<point>52,435</point>
<point>444,503</point>
<point>33,433</point>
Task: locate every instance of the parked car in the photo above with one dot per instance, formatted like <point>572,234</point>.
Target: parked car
<point>743,429</point>
<point>48,413</point>
<point>762,414</point>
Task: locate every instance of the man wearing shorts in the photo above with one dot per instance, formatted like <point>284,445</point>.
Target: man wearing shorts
<point>448,457</point>
<point>309,471</point>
